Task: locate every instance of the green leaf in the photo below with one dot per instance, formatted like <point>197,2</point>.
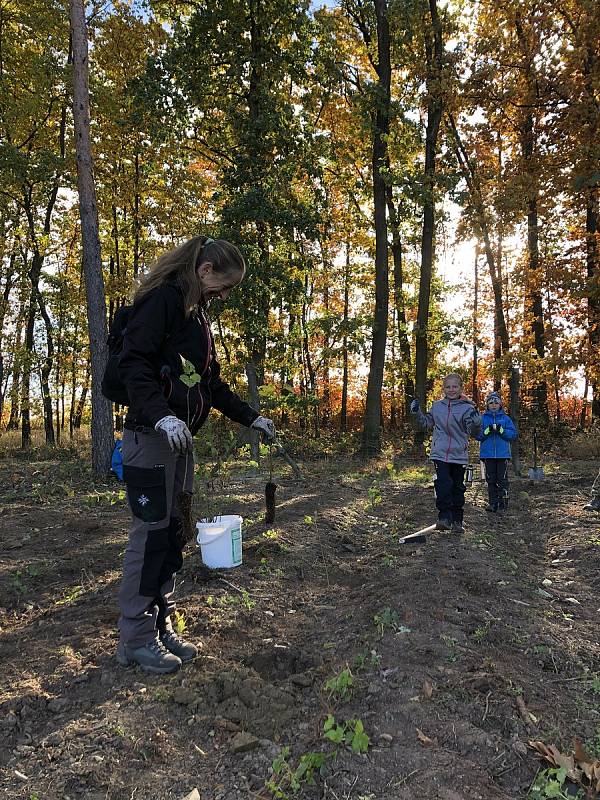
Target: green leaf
<point>335,735</point>
<point>187,381</point>
<point>561,775</point>
<point>188,367</point>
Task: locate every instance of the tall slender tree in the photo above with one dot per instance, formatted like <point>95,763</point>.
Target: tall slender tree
<point>102,419</point>
<point>371,436</point>
<point>434,54</point>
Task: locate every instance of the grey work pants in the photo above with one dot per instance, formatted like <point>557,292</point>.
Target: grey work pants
<point>154,476</point>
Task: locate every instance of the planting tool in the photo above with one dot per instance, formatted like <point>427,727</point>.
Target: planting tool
<point>419,537</point>
<point>469,475</point>
<point>536,473</point>
<point>270,490</point>
<point>287,458</point>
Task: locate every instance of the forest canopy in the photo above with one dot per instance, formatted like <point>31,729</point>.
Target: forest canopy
<point>414,187</point>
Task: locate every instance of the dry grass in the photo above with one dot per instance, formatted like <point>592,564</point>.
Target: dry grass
<point>10,443</point>
<point>583,445</point>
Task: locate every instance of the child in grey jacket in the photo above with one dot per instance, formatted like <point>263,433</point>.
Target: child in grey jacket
<point>452,419</point>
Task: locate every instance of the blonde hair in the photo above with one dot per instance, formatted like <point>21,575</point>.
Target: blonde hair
<point>454,375</point>
<point>182,262</point>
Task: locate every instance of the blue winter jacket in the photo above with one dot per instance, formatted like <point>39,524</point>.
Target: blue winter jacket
<point>496,445</point>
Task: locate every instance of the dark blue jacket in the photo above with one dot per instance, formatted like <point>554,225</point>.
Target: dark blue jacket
<point>496,445</point>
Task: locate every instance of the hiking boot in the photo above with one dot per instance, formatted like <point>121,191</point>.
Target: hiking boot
<point>152,657</point>
<point>492,508</point>
<point>457,527</point>
<point>186,651</point>
<point>593,505</point>
<point>502,506</point>
<point>443,524</point>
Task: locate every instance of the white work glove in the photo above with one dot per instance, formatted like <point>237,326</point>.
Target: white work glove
<point>177,433</point>
<point>266,427</point>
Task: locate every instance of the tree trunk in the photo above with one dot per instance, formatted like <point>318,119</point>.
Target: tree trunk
<point>402,327</point>
<point>434,56</point>
<point>307,359</point>
<point>533,301</point>
<point>474,383</point>
<point>344,405</point>
<point>255,403</point>
<point>82,398</point>
<point>371,436</point>
<point>514,384</point>
<point>325,405</point>
<point>34,275</point>
<point>584,403</point>
<point>16,376</point>
<point>102,419</point>
<point>4,303</point>
<point>46,371</point>
<point>136,218</point>
<point>534,313</point>
<point>592,235</point>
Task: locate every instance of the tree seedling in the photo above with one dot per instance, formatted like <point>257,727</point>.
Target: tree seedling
<point>388,618</point>
<point>350,734</point>
<point>551,783</point>
<point>341,686</point>
<point>180,623</point>
<point>368,659</point>
<point>288,778</point>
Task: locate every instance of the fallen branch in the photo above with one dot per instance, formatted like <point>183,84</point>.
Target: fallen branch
<point>245,591</point>
<point>528,718</point>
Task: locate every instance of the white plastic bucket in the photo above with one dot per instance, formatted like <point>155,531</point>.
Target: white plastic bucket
<point>220,541</point>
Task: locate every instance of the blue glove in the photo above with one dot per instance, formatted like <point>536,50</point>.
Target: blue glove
<point>415,406</point>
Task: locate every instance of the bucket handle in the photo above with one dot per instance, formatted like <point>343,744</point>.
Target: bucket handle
<point>209,540</point>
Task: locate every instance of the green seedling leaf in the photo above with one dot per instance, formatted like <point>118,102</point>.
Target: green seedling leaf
<point>360,741</point>
<point>188,367</point>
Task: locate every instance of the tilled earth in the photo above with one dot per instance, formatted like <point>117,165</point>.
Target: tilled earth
<point>451,655</point>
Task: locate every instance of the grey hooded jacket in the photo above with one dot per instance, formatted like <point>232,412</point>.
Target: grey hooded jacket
<point>452,421</point>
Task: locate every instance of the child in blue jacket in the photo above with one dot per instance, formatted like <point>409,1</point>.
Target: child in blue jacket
<point>497,431</point>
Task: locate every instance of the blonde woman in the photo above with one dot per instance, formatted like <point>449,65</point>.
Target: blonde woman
<point>168,322</point>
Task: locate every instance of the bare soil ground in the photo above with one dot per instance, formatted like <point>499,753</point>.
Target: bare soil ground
<point>459,651</point>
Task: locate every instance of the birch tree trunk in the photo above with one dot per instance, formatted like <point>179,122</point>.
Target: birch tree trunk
<point>102,419</point>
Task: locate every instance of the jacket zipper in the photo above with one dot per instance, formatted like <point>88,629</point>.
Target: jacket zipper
<point>208,333</point>
<point>203,323</point>
<point>448,432</point>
